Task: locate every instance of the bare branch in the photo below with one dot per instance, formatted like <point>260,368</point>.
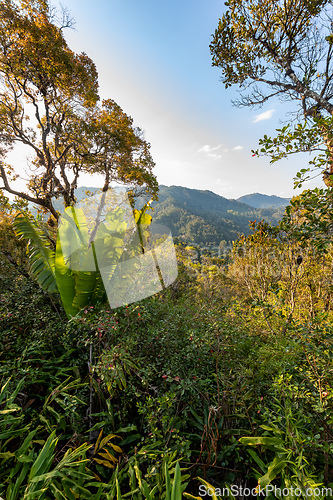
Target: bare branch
<point>20,194</point>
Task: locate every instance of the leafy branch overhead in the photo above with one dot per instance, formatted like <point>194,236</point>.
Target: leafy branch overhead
<point>281,50</point>
<point>49,103</point>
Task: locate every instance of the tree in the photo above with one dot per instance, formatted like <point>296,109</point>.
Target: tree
<point>49,103</point>
<point>284,46</point>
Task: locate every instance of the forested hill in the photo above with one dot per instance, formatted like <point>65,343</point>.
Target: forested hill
<point>258,200</point>
<point>204,217</point>
<point>201,202</point>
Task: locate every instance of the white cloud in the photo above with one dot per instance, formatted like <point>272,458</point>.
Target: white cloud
<point>209,150</point>
<point>214,151</point>
<point>266,115</point>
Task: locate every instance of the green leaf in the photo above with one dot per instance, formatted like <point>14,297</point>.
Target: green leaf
<point>65,281</point>
<point>272,442</point>
<point>45,457</point>
<point>176,493</point>
<point>167,481</point>
<point>79,281</point>
<point>24,472</point>
<point>41,255</point>
<point>274,469</point>
<point>6,455</point>
<point>209,487</point>
<point>257,460</point>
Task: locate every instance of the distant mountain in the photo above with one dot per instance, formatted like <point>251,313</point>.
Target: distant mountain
<point>204,217</point>
<point>201,201</point>
<point>258,200</point>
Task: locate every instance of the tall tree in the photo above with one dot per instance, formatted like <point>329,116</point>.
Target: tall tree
<point>282,49</point>
<point>49,102</point>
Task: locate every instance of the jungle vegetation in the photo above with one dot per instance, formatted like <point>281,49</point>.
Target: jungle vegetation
<point>222,379</point>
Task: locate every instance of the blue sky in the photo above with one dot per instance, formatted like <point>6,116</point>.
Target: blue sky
<point>153,59</point>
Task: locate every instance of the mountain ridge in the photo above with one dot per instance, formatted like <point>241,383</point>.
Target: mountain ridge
<point>204,217</point>
<point>259,200</point>
<point>254,200</point>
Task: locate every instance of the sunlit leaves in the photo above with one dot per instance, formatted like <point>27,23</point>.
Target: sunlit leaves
<point>307,137</point>
<point>49,101</point>
<point>282,50</point>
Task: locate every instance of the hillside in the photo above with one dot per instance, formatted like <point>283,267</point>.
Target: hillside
<point>204,217</point>
<point>258,200</point>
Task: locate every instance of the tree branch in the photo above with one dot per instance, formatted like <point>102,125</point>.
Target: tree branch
<point>38,201</point>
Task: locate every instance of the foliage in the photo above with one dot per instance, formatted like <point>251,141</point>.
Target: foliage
<point>308,218</point>
<point>172,393</point>
<point>236,349</point>
<point>12,254</point>
<point>69,132</point>
<point>287,47</point>
<point>40,251</point>
<point>204,218</point>
<point>165,486</point>
<point>307,137</point>
<point>72,268</point>
<point>288,444</point>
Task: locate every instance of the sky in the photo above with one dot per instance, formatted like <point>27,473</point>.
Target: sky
<point>153,59</point>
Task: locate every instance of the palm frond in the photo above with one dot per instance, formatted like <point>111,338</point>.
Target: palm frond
<point>41,255</point>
